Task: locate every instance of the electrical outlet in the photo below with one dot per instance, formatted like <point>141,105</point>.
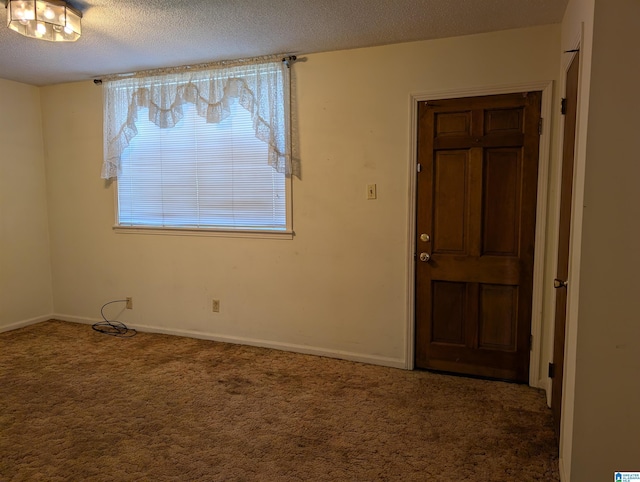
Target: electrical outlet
<point>129,304</point>
<point>215,306</point>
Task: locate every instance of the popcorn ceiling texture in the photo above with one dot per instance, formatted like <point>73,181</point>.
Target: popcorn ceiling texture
<point>128,35</point>
<point>79,405</point>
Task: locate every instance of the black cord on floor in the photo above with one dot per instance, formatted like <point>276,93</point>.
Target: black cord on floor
<point>113,327</point>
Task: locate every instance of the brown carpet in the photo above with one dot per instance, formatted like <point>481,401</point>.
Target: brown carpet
<point>79,405</point>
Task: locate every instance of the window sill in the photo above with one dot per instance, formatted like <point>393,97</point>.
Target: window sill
<point>221,233</point>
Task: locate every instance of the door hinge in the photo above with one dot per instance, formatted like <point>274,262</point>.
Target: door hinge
<point>419,167</point>
<point>540,124</point>
<point>563,106</point>
<point>552,370</point>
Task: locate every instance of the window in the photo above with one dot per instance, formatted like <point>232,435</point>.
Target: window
<point>204,150</point>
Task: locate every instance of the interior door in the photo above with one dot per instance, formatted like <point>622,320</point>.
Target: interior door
<point>476,207</point>
<point>564,233</point>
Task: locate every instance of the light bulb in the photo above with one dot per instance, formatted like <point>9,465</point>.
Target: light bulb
<point>41,29</point>
<point>23,21</point>
<point>29,14</point>
<point>68,30</point>
<point>57,28</point>
<point>49,14</point>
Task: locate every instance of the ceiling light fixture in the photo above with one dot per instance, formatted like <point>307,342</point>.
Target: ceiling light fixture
<point>51,20</point>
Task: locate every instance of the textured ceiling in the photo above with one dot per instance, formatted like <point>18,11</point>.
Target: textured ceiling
<point>128,35</point>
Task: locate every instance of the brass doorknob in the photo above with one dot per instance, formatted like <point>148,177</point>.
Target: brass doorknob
<point>425,257</point>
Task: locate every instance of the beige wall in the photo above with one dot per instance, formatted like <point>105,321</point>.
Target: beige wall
<point>340,286</point>
<point>605,417</point>
<point>25,269</point>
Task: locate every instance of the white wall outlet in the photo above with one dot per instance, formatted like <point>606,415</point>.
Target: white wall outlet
<point>215,306</point>
<point>372,191</point>
<point>129,304</point>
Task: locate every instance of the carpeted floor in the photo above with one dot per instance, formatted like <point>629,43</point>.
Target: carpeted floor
<point>78,405</point>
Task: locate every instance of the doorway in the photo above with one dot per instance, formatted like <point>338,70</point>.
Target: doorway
<point>475,233</point>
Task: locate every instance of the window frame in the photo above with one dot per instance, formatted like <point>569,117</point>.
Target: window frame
<point>222,231</point>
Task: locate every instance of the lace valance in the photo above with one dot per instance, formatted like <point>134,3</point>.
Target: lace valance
<point>261,87</point>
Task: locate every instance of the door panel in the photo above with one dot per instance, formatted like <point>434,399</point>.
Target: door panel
<point>564,234</point>
<point>449,302</point>
<point>502,192</point>
<point>453,124</point>
<point>450,176</point>
<point>498,317</point>
<point>503,121</point>
<point>476,204</point>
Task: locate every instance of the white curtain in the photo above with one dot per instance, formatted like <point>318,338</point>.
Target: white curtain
<point>260,85</point>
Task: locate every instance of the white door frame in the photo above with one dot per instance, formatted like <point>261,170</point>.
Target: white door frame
<point>541,214</point>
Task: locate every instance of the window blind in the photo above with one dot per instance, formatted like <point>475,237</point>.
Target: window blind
<point>200,175</point>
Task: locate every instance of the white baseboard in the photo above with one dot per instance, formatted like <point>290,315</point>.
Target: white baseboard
<point>23,323</point>
<point>77,319</point>
<point>237,340</point>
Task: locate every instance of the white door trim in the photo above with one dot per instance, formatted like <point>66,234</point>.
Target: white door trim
<point>541,214</point>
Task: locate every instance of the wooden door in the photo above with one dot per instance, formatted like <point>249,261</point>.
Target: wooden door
<point>476,206</point>
<point>570,108</point>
